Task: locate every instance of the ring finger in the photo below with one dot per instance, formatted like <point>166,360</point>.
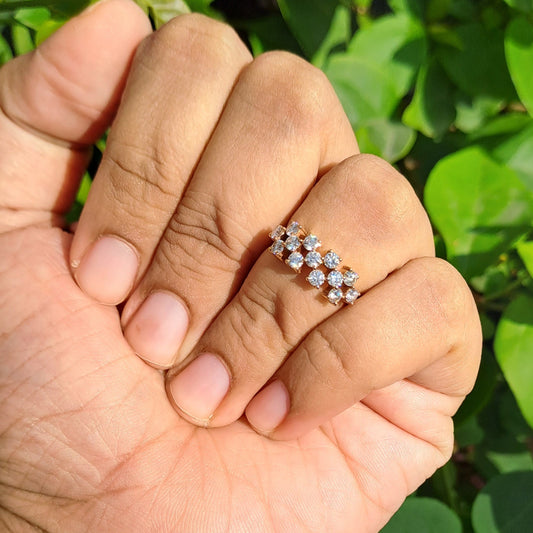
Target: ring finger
<point>362,209</point>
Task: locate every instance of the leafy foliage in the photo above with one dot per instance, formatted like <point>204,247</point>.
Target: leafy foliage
<point>443,89</point>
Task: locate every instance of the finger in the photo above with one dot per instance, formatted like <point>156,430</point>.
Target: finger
<point>363,209</point>
<point>56,101</point>
<point>421,324</point>
<point>179,83</point>
<point>282,127</point>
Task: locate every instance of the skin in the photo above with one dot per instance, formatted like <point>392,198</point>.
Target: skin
<point>89,438</point>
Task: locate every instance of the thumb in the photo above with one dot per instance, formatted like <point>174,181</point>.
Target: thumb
<point>55,102</point>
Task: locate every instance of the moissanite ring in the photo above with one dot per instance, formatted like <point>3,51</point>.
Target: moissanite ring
<point>299,249</point>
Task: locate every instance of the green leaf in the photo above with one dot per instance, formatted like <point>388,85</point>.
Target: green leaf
<point>364,89</point>
<point>47,29</point>
<point>339,34</point>
<point>444,34</point>
<point>437,9</point>
<point>63,9</point>
<point>502,125</point>
<point>162,11</point>
<point>270,33</point>
<point>525,251</point>
<point>431,110</point>
<point>474,111</point>
<point>513,347</point>
<point>5,51</point>
<point>389,140</point>
<point>423,515</point>
<point>465,10</point>
<point>517,153</point>
<point>522,5</point>
<point>480,207</point>
<point>505,505</point>
<point>512,420</point>
<point>479,68</point>
<point>519,54</point>
<point>413,7</point>
<point>309,21</point>
<point>483,389</point>
<point>469,433</point>
<point>22,41</point>
<point>33,18</point>
<point>396,44</point>
<point>199,6</point>
<point>83,191</point>
<point>507,435</point>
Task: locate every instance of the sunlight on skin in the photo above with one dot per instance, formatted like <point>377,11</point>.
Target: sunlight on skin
<point>88,437</point>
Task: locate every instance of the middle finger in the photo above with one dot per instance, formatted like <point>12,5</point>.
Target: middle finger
<point>281,128</point>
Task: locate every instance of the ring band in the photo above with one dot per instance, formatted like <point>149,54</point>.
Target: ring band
<point>297,248</point>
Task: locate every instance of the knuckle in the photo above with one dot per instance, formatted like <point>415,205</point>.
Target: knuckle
<point>446,292</point>
<point>132,175</point>
<point>252,321</point>
<point>194,37</point>
<point>295,90</point>
<point>207,235</point>
<point>390,199</point>
<point>328,352</point>
<point>127,164</point>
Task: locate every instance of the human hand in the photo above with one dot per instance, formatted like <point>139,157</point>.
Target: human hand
<point>89,440</point>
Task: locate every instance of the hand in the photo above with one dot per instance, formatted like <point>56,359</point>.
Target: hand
<point>89,439</point>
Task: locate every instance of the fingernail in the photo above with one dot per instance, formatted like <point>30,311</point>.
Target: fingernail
<point>200,387</point>
<point>107,271</point>
<point>269,407</point>
<point>158,328</point>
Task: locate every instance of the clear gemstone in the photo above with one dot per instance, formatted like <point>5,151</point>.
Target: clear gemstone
<point>277,233</point>
<point>292,243</point>
<point>277,248</point>
<point>311,242</point>
<point>350,296</point>
<point>350,277</point>
<point>332,260</point>
<point>295,260</point>
<point>293,228</point>
<point>316,278</point>
<point>313,259</point>
<point>335,296</point>
<point>335,278</point>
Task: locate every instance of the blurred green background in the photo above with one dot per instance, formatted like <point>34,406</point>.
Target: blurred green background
<point>444,90</point>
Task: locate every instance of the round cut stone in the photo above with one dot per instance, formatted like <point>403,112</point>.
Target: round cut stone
<point>332,260</point>
<point>335,278</point>
<point>313,259</point>
<point>277,248</point>
<point>295,261</point>
<point>316,278</point>
<point>350,277</point>
<point>293,228</point>
<point>292,243</point>
<point>351,295</point>
<point>277,233</point>
<point>311,242</point>
<point>335,296</point>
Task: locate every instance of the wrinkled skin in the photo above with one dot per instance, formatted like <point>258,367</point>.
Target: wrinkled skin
<point>88,438</point>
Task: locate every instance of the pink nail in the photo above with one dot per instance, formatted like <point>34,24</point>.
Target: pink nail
<point>200,388</point>
<point>107,271</point>
<point>269,407</point>
<point>158,328</point>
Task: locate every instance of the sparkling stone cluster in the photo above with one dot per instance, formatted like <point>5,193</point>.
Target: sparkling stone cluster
<point>296,248</point>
